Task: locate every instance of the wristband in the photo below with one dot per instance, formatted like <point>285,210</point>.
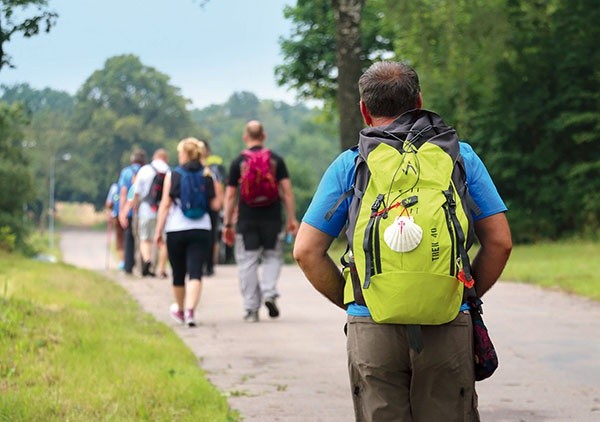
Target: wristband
<point>228,226</point>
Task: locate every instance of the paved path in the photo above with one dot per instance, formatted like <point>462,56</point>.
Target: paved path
<point>293,368</point>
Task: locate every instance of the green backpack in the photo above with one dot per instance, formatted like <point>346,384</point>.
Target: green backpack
<point>409,222</point>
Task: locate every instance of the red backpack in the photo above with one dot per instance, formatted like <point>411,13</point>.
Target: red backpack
<point>258,184</point>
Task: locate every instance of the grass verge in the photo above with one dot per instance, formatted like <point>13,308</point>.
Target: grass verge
<point>571,266</point>
<point>74,346</point>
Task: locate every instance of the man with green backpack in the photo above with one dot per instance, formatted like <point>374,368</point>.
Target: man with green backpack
<point>412,199</point>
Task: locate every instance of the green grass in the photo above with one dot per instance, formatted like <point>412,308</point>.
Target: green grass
<point>572,266</point>
<point>75,346</point>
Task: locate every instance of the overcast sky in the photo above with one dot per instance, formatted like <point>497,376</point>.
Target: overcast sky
<point>209,52</point>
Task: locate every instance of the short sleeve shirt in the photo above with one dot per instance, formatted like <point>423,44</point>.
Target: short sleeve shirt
<point>268,213</point>
<point>143,183</point>
<point>126,179</point>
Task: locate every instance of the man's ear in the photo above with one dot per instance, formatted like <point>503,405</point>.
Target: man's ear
<point>420,101</point>
<point>365,113</point>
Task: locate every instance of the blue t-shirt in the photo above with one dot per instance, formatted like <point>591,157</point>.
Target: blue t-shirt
<point>112,199</point>
<point>126,179</point>
<point>339,178</point>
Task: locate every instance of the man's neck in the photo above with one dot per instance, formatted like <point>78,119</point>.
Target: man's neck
<point>252,144</point>
<point>382,121</point>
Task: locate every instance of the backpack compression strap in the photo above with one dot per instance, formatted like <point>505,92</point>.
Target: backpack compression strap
<point>368,241</point>
<point>460,236</point>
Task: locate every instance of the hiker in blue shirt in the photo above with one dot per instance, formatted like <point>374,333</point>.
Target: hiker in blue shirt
<point>126,178</point>
<point>112,207</point>
<point>390,380</point>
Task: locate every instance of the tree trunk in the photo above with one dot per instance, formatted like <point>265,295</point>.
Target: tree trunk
<point>348,15</point>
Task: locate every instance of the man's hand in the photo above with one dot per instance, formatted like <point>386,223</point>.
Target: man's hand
<point>291,226</point>
<point>229,236</point>
<point>123,221</point>
<point>158,238</point>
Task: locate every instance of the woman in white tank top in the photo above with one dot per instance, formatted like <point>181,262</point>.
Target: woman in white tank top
<point>188,239</point>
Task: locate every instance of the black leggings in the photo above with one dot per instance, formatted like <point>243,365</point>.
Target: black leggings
<point>188,251</point>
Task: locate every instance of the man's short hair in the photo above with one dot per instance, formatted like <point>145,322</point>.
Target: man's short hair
<point>255,130</point>
<point>138,156</point>
<point>389,89</point>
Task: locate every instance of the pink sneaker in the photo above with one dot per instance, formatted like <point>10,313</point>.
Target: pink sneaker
<point>176,313</point>
<point>189,318</point>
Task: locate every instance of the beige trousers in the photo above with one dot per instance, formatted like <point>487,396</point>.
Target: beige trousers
<point>391,382</point>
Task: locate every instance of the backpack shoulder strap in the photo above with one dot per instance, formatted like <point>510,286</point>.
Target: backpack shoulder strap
<point>348,193</point>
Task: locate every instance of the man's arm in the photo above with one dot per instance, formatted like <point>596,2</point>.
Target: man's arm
<point>216,203</point>
<point>163,210</point>
<point>229,205</point>
<point>494,236</point>
<point>310,250</point>
<point>287,196</point>
<point>123,210</point>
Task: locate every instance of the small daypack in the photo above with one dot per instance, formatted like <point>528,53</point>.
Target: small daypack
<point>258,184</point>
<point>409,222</point>
<point>192,193</point>
<point>156,189</point>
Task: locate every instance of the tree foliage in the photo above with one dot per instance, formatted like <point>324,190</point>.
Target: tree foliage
<point>119,107</point>
<point>16,17</point>
<point>15,181</point>
<point>48,115</point>
<point>455,46</point>
<point>37,101</point>
<point>543,132</point>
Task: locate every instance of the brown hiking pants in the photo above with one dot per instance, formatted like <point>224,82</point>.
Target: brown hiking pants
<point>391,382</point>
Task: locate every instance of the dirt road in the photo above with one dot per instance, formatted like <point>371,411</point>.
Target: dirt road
<point>294,368</point>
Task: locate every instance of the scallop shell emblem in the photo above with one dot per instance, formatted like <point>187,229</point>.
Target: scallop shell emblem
<point>403,235</point>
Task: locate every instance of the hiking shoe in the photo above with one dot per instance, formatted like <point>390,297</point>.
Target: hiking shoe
<point>272,307</point>
<point>189,318</point>
<point>251,316</point>
<point>176,313</point>
<point>146,272</point>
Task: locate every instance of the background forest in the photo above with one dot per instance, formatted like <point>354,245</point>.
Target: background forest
<point>518,79</point>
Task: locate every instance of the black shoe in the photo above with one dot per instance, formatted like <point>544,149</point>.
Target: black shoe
<point>146,270</point>
<point>272,307</point>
